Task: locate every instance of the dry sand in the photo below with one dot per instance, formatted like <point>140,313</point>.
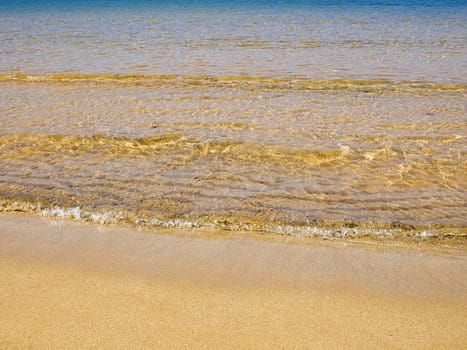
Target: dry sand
<point>69,285</point>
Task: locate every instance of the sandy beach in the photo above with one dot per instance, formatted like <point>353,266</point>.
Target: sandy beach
<point>71,285</point>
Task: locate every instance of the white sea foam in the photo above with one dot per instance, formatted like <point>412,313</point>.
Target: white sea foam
<point>176,223</point>
<point>330,233</point>
<point>73,213</point>
<point>77,213</point>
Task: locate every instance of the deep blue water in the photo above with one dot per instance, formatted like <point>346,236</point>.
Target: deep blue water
<point>48,5</point>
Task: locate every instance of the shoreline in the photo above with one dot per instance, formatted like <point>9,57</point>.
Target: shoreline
<point>68,284</point>
<point>445,239</point>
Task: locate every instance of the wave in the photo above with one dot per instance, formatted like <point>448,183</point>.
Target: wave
<point>251,83</point>
<point>36,144</point>
<point>332,230</point>
<point>182,149</point>
<point>173,181</point>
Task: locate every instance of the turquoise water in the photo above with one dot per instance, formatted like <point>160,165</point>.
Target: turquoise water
<point>363,40</point>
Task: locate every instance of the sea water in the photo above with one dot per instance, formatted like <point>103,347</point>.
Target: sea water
<point>390,40</point>
<point>317,118</point>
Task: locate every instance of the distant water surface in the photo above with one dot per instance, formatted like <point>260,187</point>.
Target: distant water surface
<point>391,40</point>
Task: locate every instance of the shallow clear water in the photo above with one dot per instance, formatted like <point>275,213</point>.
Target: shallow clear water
<point>307,118</point>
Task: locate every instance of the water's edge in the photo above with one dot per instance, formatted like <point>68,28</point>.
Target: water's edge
<point>374,232</point>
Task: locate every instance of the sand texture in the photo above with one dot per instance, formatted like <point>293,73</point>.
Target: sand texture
<point>70,285</point>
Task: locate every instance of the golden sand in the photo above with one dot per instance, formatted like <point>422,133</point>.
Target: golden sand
<point>69,285</point>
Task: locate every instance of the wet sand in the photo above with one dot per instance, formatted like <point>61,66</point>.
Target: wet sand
<point>72,285</point>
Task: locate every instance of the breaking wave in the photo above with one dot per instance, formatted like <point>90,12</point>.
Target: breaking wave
<point>325,230</point>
